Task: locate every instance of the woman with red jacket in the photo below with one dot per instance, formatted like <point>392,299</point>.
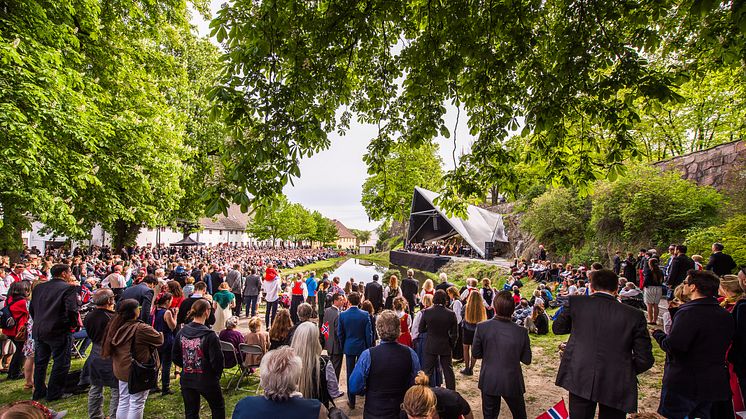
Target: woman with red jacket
<point>16,302</point>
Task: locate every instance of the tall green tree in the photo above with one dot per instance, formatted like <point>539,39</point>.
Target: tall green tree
<point>388,194</point>
<point>49,119</point>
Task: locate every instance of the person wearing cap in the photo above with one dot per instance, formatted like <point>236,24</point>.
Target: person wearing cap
<point>374,293</point>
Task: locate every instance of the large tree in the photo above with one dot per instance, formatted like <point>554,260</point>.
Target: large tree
<point>388,194</point>
<point>570,72</point>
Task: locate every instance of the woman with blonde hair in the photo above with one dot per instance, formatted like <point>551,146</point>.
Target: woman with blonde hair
<point>474,313</point>
<point>427,288</point>
<point>391,292</point>
<point>424,402</point>
<point>317,378</point>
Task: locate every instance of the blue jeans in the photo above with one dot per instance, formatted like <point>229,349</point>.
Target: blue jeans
<point>164,353</point>
<point>58,349</point>
<point>251,301</point>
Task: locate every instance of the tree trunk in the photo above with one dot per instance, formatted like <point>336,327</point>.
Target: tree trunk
<point>125,234</point>
<point>11,232</point>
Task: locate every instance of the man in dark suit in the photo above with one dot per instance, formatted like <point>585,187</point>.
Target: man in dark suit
<point>502,346</point>
<point>696,375</point>
<point>720,263</point>
<point>200,288</point>
<point>409,289</point>
<point>143,293</point>
<point>441,327</point>
<point>680,265</point>
<point>609,345</point>
<point>374,293</point>
<point>329,332</point>
<point>54,309</point>
<point>355,334</point>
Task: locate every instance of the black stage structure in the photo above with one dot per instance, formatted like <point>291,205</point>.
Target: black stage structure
<point>481,229</point>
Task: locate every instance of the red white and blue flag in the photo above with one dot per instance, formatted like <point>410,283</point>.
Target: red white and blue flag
<point>559,411</point>
<point>325,330</point>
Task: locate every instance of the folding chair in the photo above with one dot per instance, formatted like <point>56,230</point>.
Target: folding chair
<point>77,344</point>
<point>246,366</point>
<point>229,350</point>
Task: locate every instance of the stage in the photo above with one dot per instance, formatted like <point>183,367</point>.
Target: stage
<point>421,261</point>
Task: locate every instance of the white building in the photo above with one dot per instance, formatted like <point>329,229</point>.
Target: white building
<point>216,230</point>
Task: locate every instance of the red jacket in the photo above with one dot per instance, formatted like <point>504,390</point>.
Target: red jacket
<point>19,311</point>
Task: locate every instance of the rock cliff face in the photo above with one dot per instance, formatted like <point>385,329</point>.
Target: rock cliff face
<point>521,243</point>
<point>722,167</point>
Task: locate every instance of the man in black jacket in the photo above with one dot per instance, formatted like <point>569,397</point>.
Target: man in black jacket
<point>409,288</point>
<point>441,327</point>
<point>143,294</point>
<point>200,288</point>
<point>720,263</point>
<point>374,293</point>
<point>696,374</point>
<point>54,309</point>
<point>680,265</point>
<point>609,345</point>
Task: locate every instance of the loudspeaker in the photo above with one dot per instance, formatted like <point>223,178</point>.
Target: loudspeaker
<point>489,250</point>
<point>435,223</point>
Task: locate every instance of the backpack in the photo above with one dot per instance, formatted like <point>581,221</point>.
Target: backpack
<point>6,318</point>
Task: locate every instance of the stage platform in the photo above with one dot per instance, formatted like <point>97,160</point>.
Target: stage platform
<point>421,261</point>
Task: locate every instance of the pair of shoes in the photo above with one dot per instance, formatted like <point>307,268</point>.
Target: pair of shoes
<point>652,323</point>
<point>351,405</point>
<point>166,392</point>
<point>28,386</point>
<point>467,371</point>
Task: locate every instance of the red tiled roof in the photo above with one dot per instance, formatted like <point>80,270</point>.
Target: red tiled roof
<point>342,231</point>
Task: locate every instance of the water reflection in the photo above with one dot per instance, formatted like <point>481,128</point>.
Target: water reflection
<point>363,271</point>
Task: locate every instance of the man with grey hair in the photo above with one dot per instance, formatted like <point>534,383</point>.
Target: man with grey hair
<point>385,372</point>
<point>444,284</point>
<point>100,370</point>
<point>279,373</point>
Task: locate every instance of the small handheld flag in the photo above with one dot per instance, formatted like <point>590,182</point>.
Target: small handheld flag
<point>559,411</point>
<point>325,330</point>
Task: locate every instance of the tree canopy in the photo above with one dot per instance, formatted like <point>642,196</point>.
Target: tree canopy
<point>573,76</point>
<point>283,220</point>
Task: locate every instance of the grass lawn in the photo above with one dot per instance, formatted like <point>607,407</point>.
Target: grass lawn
<point>319,267</point>
<point>156,407</point>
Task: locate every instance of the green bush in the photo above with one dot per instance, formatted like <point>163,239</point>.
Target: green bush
<point>650,207</point>
<point>558,218</point>
<point>732,235</point>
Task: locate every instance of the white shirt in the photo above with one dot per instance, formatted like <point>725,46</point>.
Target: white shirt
<point>387,291</point>
<point>456,307</point>
<point>271,290</point>
<point>572,290</point>
<point>415,329</point>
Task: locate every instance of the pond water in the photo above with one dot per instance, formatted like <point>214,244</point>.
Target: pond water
<point>363,271</point>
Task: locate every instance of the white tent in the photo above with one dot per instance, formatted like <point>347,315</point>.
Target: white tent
<point>426,223</point>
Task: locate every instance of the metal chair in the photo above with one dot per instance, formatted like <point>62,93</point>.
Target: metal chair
<point>246,366</point>
<point>229,349</point>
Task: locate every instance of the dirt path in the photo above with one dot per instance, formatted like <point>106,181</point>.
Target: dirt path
<point>541,393</point>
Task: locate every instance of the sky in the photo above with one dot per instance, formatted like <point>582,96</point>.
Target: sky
<point>331,181</point>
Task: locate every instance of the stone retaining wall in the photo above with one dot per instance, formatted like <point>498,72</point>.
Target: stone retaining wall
<point>722,167</point>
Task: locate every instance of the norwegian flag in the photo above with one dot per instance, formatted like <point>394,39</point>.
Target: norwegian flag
<point>559,411</point>
<point>325,330</point>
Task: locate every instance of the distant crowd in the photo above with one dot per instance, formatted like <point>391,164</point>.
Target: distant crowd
<point>139,316</point>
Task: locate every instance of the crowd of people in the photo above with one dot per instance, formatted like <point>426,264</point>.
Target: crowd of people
<point>152,312</point>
